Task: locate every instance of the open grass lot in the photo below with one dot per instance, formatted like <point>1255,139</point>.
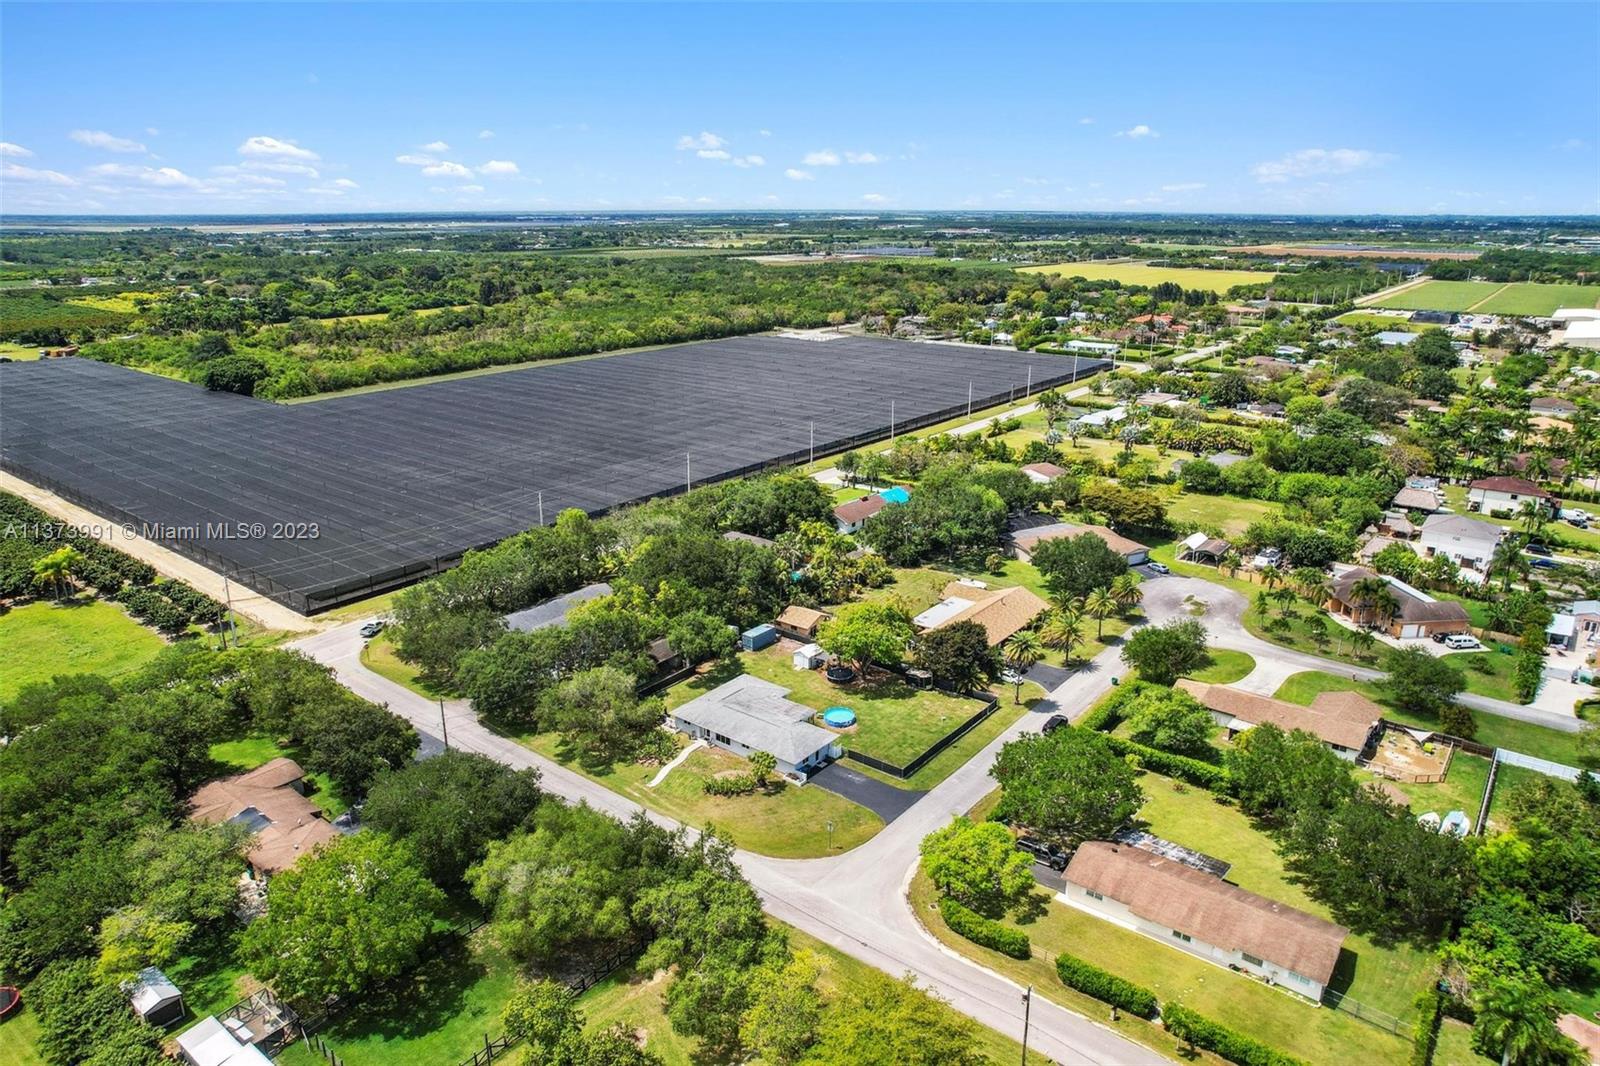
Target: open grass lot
<point>1231,514</point>
<point>1490,297</point>
<point>22,353</point>
<point>1218,281</point>
<point>1368,318</point>
<point>380,657</point>
<point>1226,667</point>
<point>1439,296</point>
<point>1455,1046</point>
<point>78,636</point>
<point>1493,730</point>
<point>19,1039</point>
<point>787,823</point>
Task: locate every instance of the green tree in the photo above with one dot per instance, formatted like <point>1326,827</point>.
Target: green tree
<point>356,912</point>
<point>885,1022</point>
<point>785,1010</point>
<point>1076,566</point>
<point>1274,773</point>
<point>1022,653</point>
<point>957,655</point>
<point>1516,1019</point>
<point>545,1015</point>
<point>55,570</point>
<point>1164,653</point>
<point>1419,682</point>
<point>701,637</point>
<point>599,712</point>
<point>863,633</point>
<point>1062,631</point>
<point>1126,591</point>
<point>1172,721</point>
<point>1066,787</point>
<point>1100,604</point>
<point>762,766</point>
<point>978,864</point>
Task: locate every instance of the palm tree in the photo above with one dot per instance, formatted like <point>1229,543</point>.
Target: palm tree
<point>1263,603</point>
<point>1100,605</point>
<point>1062,633</point>
<point>1126,591</point>
<point>1385,605</point>
<point>1271,575</point>
<point>1533,516</point>
<point>56,568</point>
<point>1508,561</point>
<point>1231,563</point>
<point>1022,653</point>
<point>1362,642</point>
<point>1365,592</point>
<point>1516,1014</point>
<point>1068,605</point>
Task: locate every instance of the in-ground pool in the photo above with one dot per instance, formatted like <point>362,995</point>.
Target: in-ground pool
<point>839,717</point>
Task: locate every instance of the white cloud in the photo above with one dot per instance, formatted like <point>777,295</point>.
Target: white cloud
<point>14,151</point>
<point>704,200</point>
<point>765,133</point>
<point>345,183</point>
<point>272,147</point>
<point>470,188</point>
<point>436,146</point>
<point>106,141</point>
<point>18,172</point>
<point>795,174</point>
<point>1137,133</point>
<point>827,157</point>
<point>861,158</point>
<point>874,198</point>
<point>326,190</point>
<point>446,169</point>
<point>413,160</point>
<point>1086,122</point>
<point>749,160</point>
<point>162,177</point>
<point>706,141</point>
<point>283,168</point>
<point>1184,186</point>
<point>484,135</point>
<point>151,131</point>
<point>1316,162</point>
<point>499,168</point>
<point>1573,144</point>
<point>713,153</point>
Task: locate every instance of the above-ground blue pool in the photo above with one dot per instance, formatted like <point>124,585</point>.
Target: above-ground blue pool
<point>839,717</point>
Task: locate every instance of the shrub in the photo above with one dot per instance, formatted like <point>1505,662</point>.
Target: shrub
<point>736,785</point>
<point>1430,1010</point>
<point>1091,980</point>
<point>1199,1031</point>
<point>1205,775</point>
<point>984,931</point>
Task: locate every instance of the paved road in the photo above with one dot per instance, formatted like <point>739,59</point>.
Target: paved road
<point>855,901</point>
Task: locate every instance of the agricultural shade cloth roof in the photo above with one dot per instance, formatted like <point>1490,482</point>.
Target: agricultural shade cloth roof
<point>400,482</point>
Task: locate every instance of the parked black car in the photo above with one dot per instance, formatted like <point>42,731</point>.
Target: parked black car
<point>1053,723</point>
<point>1534,547</point>
<point>1048,854</point>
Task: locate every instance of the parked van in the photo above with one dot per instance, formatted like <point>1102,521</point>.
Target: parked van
<point>1461,642</point>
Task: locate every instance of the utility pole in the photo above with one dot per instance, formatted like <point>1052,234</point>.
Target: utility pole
<point>969,399</point>
<point>688,473</point>
<point>1029,391</point>
<point>541,507</point>
<point>1027,1011</point>
<point>227,594</point>
<point>444,726</point>
<point>891,422</point>
<point>813,441</point>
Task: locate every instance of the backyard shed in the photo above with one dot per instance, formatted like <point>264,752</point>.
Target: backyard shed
<point>155,998</point>
<point>809,657</point>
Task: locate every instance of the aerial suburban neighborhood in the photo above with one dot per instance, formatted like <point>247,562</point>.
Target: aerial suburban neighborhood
<point>620,555</point>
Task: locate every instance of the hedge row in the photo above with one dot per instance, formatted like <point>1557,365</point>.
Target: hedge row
<point>1430,1012</point>
<point>736,785</point>
<point>984,931</point>
<point>1107,715</point>
<point>1199,1031</point>
<point>1091,980</point>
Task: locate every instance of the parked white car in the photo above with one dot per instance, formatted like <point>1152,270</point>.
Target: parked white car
<point>1461,642</point>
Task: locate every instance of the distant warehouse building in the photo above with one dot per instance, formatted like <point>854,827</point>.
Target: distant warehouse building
<point>1197,912</point>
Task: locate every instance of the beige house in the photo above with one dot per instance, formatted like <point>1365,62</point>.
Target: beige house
<point>1344,721</point>
<point>1416,614</point>
<point>270,801</point>
<point>1001,612</point>
<point>1026,541</point>
<point>1203,915</point>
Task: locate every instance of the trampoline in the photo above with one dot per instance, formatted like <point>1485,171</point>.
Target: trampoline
<point>839,717</point>
<point>398,483</point>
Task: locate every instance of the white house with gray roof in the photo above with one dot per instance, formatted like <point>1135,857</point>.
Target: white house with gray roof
<point>1467,542</point>
<point>748,715</point>
<point>554,612</point>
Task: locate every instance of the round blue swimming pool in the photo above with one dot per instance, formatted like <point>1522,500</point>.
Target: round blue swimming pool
<point>839,717</point>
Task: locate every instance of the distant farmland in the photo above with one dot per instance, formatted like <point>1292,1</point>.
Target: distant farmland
<point>1489,297</point>
<point>1218,281</point>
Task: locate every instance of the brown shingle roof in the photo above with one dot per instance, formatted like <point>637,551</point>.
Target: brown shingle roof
<point>296,824</point>
<point>1413,606</point>
<point>1416,500</point>
<point>1027,539</point>
<point>1002,613</point>
<point>1517,485</point>
<point>1340,718</point>
<point>856,510</point>
<point>1209,909</point>
<point>1049,470</point>
<point>801,619</point>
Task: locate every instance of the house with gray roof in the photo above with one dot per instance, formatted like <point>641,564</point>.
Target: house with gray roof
<point>749,714</point>
<point>1467,542</point>
<point>554,612</point>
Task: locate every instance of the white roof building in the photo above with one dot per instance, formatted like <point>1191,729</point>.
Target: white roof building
<point>1582,334</point>
<point>749,714</point>
<point>1110,416</point>
<point>1395,338</point>
<point>212,1043</point>
<point>1577,314</point>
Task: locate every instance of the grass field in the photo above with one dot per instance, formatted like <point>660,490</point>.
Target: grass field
<point>1231,514</point>
<point>79,636</point>
<point>1226,667</point>
<point>1217,281</point>
<point>379,656</point>
<point>19,1039</point>
<point>788,823</point>
<point>1489,297</point>
<point>21,353</point>
<point>1390,322</point>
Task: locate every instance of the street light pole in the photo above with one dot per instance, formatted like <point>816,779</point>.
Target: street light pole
<point>813,441</point>
<point>1027,1011</point>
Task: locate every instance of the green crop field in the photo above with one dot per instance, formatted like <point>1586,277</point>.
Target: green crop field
<point>1489,297</point>
<point>1144,274</point>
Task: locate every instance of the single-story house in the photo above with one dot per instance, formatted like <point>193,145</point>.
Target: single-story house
<point>1344,721</point>
<point>1519,463</point>
<point>270,801</point>
<point>1160,399</point>
<point>1417,613</point>
<point>1467,542</point>
<point>749,538</point>
<point>155,998</point>
<point>1199,548</point>
<point>554,612</point>
<point>1555,406</point>
<point>1025,541</point>
<point>213,1043</point>
<point>1266,408</point>
<point>748,714</point>
<point>1490,494</point>
<point>1396,524</point>
<point>1043,473</point>
<point>1098,419</point>
<point>1096,348</point>
<point>801,623</point>
<point>851,515</point>
<point>1425,500</point>
<point>1238,311</point>
<point>1001,612</point>
<point>1204,915</point>
<point>1374,544</point>
<point>1396,338</point>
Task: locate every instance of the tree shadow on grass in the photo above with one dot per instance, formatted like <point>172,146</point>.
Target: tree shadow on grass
<point>427,1000</point>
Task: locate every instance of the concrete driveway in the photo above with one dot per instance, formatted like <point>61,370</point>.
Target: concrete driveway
<point>879,797</point>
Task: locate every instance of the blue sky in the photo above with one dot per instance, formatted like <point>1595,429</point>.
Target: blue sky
<point>231,108</point>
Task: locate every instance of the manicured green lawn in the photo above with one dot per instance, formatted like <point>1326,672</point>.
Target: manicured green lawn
<point>1539,299</point>
<point>787,823</point>
<point>1367,318</point>
<point>956,755</point>
<point>77,636</point>
<point>437,1020</point>
<point>209,975</point>
<point>913,590</point>
<point>19,1039</point>
<point>1493,729</point>
<point>1455,1046</point>
<point>1440,296</point>
<point>247,753</point>
<point>1226,667</point>
<point>1230,514</point>
<point>380,657</point>
<point>1387,978</point>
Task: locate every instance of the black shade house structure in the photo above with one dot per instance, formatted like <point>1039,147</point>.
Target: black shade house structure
<point>323,502</point>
